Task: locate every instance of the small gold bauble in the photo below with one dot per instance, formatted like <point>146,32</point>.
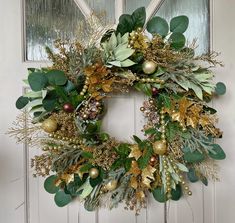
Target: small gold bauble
<point>149,67</point>
<point>111,185</point>
<point>94,173</point>
<point>190,193</point>
<point>160,147</point>
<point>49,125</point>
<point>142,109</point>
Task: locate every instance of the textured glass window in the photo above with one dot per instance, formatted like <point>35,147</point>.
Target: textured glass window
<point>198,13</point>
<point>48,20</point>
<point>131,5</point>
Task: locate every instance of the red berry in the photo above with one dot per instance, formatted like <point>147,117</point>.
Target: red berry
<point>154,91</point>
<point>68,107</point>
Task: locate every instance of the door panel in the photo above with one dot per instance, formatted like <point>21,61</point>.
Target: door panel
<point>213,204</point>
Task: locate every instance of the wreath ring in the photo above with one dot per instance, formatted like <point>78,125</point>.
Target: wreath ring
<point>66,103</point>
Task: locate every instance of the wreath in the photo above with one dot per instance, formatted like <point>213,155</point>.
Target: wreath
<point>65,104</point>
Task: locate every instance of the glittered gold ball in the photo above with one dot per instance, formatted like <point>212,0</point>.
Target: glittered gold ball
<point>159,147</point>
<point>149,67</point>
<point>111,185</point>
<point>94,173</point>
<point>49,125</point>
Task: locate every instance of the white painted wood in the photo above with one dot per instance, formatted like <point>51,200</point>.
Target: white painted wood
<point>152,8</point>
<point>119,7</point>
<point>213,204</point>
<point>223,41</point>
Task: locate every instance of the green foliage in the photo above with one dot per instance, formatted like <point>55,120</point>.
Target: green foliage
<point>49,102</point>
<point>165,99</point>
<point>94,182</point>
<point>49,184</point>
<point>176,193</point>
<point>177,40</point>
<point>37,81</point>
<point>128,23</point>
<point>158,25</point>
<point>217,152</point>
<point>192,175</point>
<point>87,155</point>
<point>56,77</point>
<point>194,157</point>
<point>147,153</point>
<point>138,18</point>
<point>62,199</point>
<point>145,88</point>
<point>179,24</point>
<point>117,52</point>
<point>22,102</point>
<point>123,151</point>
<point>159,195</point>
<point>173,130</point>
<point>220,88</point>
<point>198,81</point>
<point>72,187</point>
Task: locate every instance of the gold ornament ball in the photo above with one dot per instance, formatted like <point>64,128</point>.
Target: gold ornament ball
<point>160,147</point>
<point>49,125</point>
<point>149,67</point>
<point>94,173</point>
<point>111,185</point>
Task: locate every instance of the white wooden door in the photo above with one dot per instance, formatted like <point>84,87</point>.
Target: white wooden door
<point>22,197</point>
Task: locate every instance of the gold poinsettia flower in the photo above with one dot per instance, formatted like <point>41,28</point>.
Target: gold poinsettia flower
<point>135,152</point>
<point>148,176</point>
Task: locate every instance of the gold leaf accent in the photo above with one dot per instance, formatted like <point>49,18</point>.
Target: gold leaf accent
<point>134,182</point>
<point>135,170</point>
<point>67,178</point>
<point>147,175</point>
<point>135,152</point>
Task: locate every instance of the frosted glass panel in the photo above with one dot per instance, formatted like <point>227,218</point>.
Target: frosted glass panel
<point>198,13</point>
<point>105,8</point>
<point>48,20</point>
<point>131,5</point>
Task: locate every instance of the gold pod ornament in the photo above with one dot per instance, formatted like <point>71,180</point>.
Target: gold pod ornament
<point>94,173</point>
<point>49,125</point>
<point>160,147</point>
<point>111,185</point>
<point>149,67</point>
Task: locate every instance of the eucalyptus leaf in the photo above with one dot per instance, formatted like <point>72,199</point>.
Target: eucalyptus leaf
<point>158,25</point>
<point>220,88</point>
<point>49,102</point>
<point>37,81</point>
<point>125,24</point>
<point>192,175</point>
<point>178,41</point>
<point>179,24</point>
<point>62,199</point>
<point>218,153</point>
<point>138,17</point>
<point>21,102</point>
<point>159,195</point>
<point>56,77</point>
<point>49,184</point>
<point>176,193</point>
<point>193,157</point>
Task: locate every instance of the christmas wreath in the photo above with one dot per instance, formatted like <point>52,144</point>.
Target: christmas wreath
<point>64,107</point>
